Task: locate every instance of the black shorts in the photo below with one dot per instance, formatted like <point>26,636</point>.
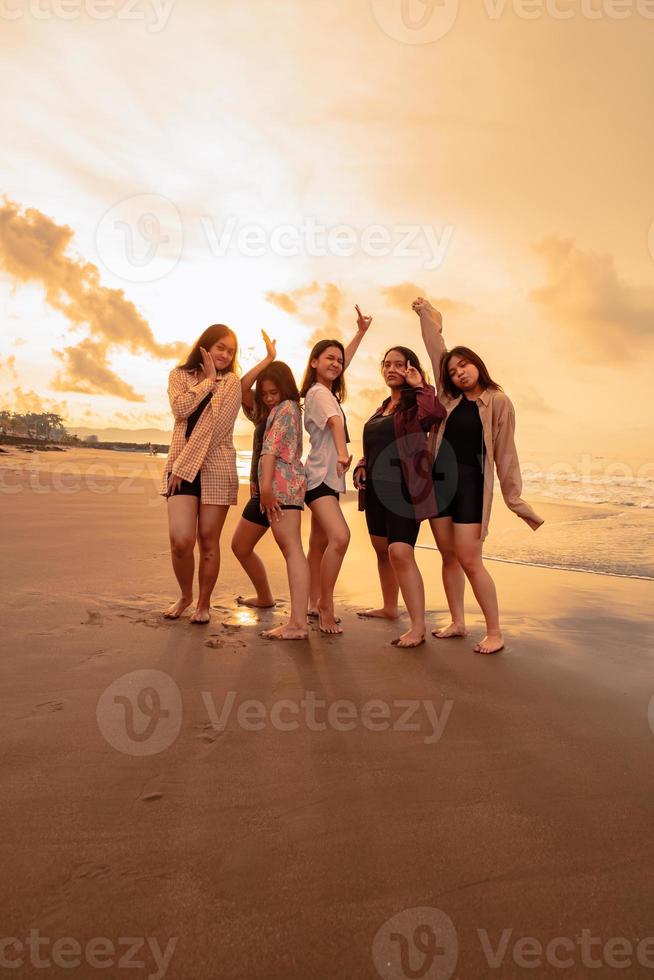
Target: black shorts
<point>188,489</point>
<point>460,493</point>
<point>252,512</point>
<point>388,523</point>
<point>322,490</point>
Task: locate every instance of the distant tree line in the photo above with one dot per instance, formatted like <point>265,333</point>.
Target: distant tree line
<point>35,425</point>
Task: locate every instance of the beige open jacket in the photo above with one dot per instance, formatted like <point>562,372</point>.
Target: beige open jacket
<point>498,422</point>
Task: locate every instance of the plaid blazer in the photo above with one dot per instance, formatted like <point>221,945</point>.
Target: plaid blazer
<point>209,450</point>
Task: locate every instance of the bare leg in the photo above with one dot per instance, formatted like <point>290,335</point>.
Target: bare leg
<point>288,536</point>
<point>388,581</point>
<point>469,553</point>
<point>246,537</point>
<point>317,545</point>
<point>403,559</point>
<point>182,526</point>
<point>210,525</point>
<point>454,580</point>
<point>329,515</point>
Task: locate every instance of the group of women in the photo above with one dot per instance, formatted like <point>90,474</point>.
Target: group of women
<point>428,454</point>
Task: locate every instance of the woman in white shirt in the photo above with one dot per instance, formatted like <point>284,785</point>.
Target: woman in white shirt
<point>323,390</point>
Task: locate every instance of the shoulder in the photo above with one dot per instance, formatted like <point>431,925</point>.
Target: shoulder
<point>179,373</point>
<point>500,399</point>
<point>231,380</point>
<point>502,405</point>
<point>287,409</point>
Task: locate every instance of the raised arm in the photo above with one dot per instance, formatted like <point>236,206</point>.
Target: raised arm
<point>363,322</point>
<point>248,380</point>
<point>431,327</point>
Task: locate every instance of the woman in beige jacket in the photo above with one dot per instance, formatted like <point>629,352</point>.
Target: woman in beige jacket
<point>200,479</point>
<point>477,408</point>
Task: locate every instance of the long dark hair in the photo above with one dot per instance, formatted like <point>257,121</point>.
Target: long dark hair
<point>214,333</point>
<point>310,376</point>
<point>485,380</point>
<point>407,393</point>
<point>282,377</point>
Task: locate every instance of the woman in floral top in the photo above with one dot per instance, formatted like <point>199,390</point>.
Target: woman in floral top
<point>282,486</point>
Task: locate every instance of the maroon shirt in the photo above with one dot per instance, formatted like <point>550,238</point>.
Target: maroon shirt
<point>411,427</point>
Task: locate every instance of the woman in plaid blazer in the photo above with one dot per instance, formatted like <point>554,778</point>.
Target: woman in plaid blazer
<point>200,479</point>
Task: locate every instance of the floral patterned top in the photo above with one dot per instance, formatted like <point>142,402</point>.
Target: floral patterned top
<point>283,439</point>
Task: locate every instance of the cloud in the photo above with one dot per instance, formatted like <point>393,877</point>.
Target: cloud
<point>602,314</point>
<point>531,400</point>
<point>8,366</point>
<point>85,370</point>
<point>402,295</point>
<point>23,402</point>
<point>316,306</point>
<point>33,248</point>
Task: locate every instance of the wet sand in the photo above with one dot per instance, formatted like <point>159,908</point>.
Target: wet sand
<point>512,794</point>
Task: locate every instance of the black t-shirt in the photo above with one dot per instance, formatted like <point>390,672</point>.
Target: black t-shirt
<point>464,434</point>
<point>378,435</point>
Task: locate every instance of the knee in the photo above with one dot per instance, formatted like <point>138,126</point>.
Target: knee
<point>239,550</point>
<point>207,543</point>
<point>449,556</point>
<point>469,563</point>
<point>341,541</point>
<point>182,547</point>
<point>381,552</point>
<point>401,555</point>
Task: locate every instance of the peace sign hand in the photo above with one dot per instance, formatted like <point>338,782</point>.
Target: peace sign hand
<point>412,375</point>
<point>363,322</point>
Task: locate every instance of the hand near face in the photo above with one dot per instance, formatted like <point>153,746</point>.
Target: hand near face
<point>411,375</point>
<point>208,365</point>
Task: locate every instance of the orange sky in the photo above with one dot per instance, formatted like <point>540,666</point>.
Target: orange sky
<point>511,156</point>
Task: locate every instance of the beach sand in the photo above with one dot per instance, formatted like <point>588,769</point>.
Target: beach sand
<point>520,799</point>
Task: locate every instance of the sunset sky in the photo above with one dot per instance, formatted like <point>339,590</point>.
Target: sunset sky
<point>515,152</point>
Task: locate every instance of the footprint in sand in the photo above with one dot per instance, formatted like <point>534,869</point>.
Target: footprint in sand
<point>207,733</point>
<point>214,643</point>
<point>46,706</point>
<point>99,872</point>
<point>95,619</point>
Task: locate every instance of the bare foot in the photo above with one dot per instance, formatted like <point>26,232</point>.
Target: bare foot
<point>286,632</point>
<point>255,602</point>
<point>410,639</point>
<point>492,643</point>
<point>454,629</point>
<point>314,614</point>
<point>379,613</point>
<point>328,622</point>
<point>201,615</point>
<point>177,608</point>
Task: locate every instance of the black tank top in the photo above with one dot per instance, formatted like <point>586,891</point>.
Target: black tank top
<point>464,434</point>
<point>194,417</point>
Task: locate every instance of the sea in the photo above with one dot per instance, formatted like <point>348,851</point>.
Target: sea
<point>603,524</point>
